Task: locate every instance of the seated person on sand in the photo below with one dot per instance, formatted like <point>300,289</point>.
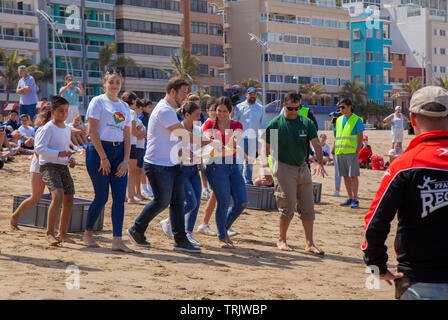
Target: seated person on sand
<point>325,149</point>
<point>365,154</point>
<point>26,132</point>
<point>79,133</point>
<point>395,152</point>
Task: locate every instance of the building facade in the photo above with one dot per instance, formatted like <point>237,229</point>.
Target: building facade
<point>204,35</point>
<point>149,32</point>
<point>370,49</point>
<point>304,43</point>
<point>19,30</point>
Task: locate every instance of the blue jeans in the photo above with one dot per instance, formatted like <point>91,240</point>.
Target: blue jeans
<point>101,185</point>
<point>29,109</point>
<point>426,291</point>
<point>337,177</point>
<point>193,190</point>
<point>226,180</point>
<point>253,143</point>
<point>167,185</point>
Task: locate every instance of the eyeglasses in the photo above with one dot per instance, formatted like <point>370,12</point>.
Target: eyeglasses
<point>341,107</point>
<point>113,70</point>
<point>293,108</point>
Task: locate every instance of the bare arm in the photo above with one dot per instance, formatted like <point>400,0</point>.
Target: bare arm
<point>192,136</point>
<point>360,136</point>
<point>81,89</point>
<point>388,118</point>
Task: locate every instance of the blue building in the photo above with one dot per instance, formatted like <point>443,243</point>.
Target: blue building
<point>370,48</point>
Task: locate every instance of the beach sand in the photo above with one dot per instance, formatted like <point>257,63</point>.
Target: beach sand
<point>255,269</point>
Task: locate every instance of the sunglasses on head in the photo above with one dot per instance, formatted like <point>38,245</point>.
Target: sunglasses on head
<point>113,70</point>
<point>293,108</point>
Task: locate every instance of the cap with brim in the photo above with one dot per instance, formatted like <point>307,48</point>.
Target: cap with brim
<point>251,89</point>
<point>426,95</point>
<point>397,108</point>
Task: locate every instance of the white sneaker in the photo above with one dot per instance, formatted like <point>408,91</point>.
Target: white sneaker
<point>205,193</point>
<point>166,227</point>
<point>336,193</point>
<point>149,191</point>
<point>231,232</point>
<point>193,241</point>
<point>205,229</point>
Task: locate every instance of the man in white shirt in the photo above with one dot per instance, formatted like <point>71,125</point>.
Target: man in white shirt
<point>252,115</point>
<point>162,167</point>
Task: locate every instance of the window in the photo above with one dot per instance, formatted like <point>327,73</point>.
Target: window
<point>343,44</point>
<point>275,78</point>
<point>303,60</point>
<point>290,79</point>
<point>304,40</point>
<point>369,79</point>
<point>344,63</point>
<point>215,29</point>
<point>392,80</point>
<point>378,56</point>
<point>356,34</point>
<point>319,61</point>
<point>199,27</point>
<point>400,80</point>
<point>357,79</point>
<point>198,6</point>
<point>442,33</point>
<point>442,69</point>
<point>399,57</point>
<point>378,79</point>
<point>148,26</point>
<point>356,57</point>
<point>273,57</point>
<point>157,4</point>
<point>442,51</point>
<point>435,32</point>
<point>199,48</point>
<point>369,33</point>
<point>318,80</point>
<point>216,50</point>
<point>290,59</point>
<point>378,33</point>
<point>331,81</point>
<point>331,62</point>
<point>435,50</point>
<point>435,68</point>
<point>369,56</point>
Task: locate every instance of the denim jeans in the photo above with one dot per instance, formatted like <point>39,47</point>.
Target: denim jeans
<point>193,190</point>
<point>167,185</point>
<point>101,185</point>
<point>226,180</point>
<point>426,291</point>
<point>253,143</point>
<point>29,109</point>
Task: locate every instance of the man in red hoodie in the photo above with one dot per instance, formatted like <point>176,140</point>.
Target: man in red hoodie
<point>415,185</point>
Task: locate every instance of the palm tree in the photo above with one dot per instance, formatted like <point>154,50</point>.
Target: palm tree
<point>355,91</point>
<point>250,82</point>
<point>443,82</point>
<point>186,66</point>
<point>106,58</point>
<point>312,91</point>
<point>10,75</point>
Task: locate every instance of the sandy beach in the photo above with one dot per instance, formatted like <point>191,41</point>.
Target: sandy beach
<point>255,269</point>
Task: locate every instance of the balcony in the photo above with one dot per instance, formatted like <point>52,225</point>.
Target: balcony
<point>67,46</point>
<point>387,42</point>
<point>100,24</point>
<point>19,42</point>
<point>62,72</point>
<point>17,11</point>
<point>17,38</point>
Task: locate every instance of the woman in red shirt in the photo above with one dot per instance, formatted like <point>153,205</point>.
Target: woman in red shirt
<point>223,172</point>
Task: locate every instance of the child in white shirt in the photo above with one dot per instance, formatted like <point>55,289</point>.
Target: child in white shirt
<point>78,133</point>
<point>53,147</point>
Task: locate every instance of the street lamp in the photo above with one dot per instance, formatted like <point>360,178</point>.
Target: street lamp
<point>264,49</point>
<point>424,59</point>
<point>296,77</point>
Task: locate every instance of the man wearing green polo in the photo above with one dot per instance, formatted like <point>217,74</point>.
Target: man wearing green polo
<point>348,142</point>
<point>292,178</point>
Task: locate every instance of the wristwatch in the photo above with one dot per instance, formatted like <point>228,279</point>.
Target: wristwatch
<point>126,161</point>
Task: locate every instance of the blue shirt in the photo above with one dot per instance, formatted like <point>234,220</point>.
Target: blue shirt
<point>252,116</point>
<point>359,126</point>
<point>72,96</point>
<point>144,117</point>
<point>31,97</point>
<point>14,124</point>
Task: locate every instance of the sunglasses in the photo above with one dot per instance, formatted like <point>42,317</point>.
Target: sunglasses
<point>293,109</point>
<point>113,70</point>
<point>341,107</point>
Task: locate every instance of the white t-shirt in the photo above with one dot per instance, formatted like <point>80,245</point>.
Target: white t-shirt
<point>29,132</point>
<point>113,116</point>
<point>326,149</point>
<point>134,117</point>
<point>51,140</point>
<point>188,147</point>
<point>140,143</point>
<point>34,166</point>
<point>161,147</point>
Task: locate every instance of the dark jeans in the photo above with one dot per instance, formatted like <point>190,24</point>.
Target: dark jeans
<point>29,109</point>
<point>193,189</point>
<point>101,183</point>
<point>252,153</point>
<point>167,185</point>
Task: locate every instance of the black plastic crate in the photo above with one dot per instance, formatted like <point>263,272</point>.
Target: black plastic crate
<point>37,215</point>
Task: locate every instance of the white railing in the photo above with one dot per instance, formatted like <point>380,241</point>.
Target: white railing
<point>100,24</point>
<point>17,38</point>
<point>17,11</point>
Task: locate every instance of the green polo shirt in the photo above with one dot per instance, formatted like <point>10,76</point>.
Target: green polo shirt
<point>293,138</point>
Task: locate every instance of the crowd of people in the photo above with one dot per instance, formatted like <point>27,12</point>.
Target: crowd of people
<point>175,154</point>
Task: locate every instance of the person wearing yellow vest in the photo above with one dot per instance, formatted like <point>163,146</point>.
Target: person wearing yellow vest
<point>348,142</point>
<point>293,186</point>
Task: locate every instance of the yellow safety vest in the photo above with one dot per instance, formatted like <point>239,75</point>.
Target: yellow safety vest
<point>271,164</point>
<point>303,112</point>
<point>345,142</point>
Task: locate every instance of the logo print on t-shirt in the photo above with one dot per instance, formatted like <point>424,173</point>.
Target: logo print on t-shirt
<point>118,117</point>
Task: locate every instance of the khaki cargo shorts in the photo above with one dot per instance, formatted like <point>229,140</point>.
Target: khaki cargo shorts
<point>57,176</point>
<point>293,189</point>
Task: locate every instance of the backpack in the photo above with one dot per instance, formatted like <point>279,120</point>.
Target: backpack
<point>377,162</point>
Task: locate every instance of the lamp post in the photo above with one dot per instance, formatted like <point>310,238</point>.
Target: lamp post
<point>424,59</point>
<point>296,77</point>
<point>264,49</point>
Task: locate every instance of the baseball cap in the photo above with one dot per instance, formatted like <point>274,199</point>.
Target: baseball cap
<point>397,108</point>
<point>251,89</point>
<point>429,94</point>
<point>365,138</point>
